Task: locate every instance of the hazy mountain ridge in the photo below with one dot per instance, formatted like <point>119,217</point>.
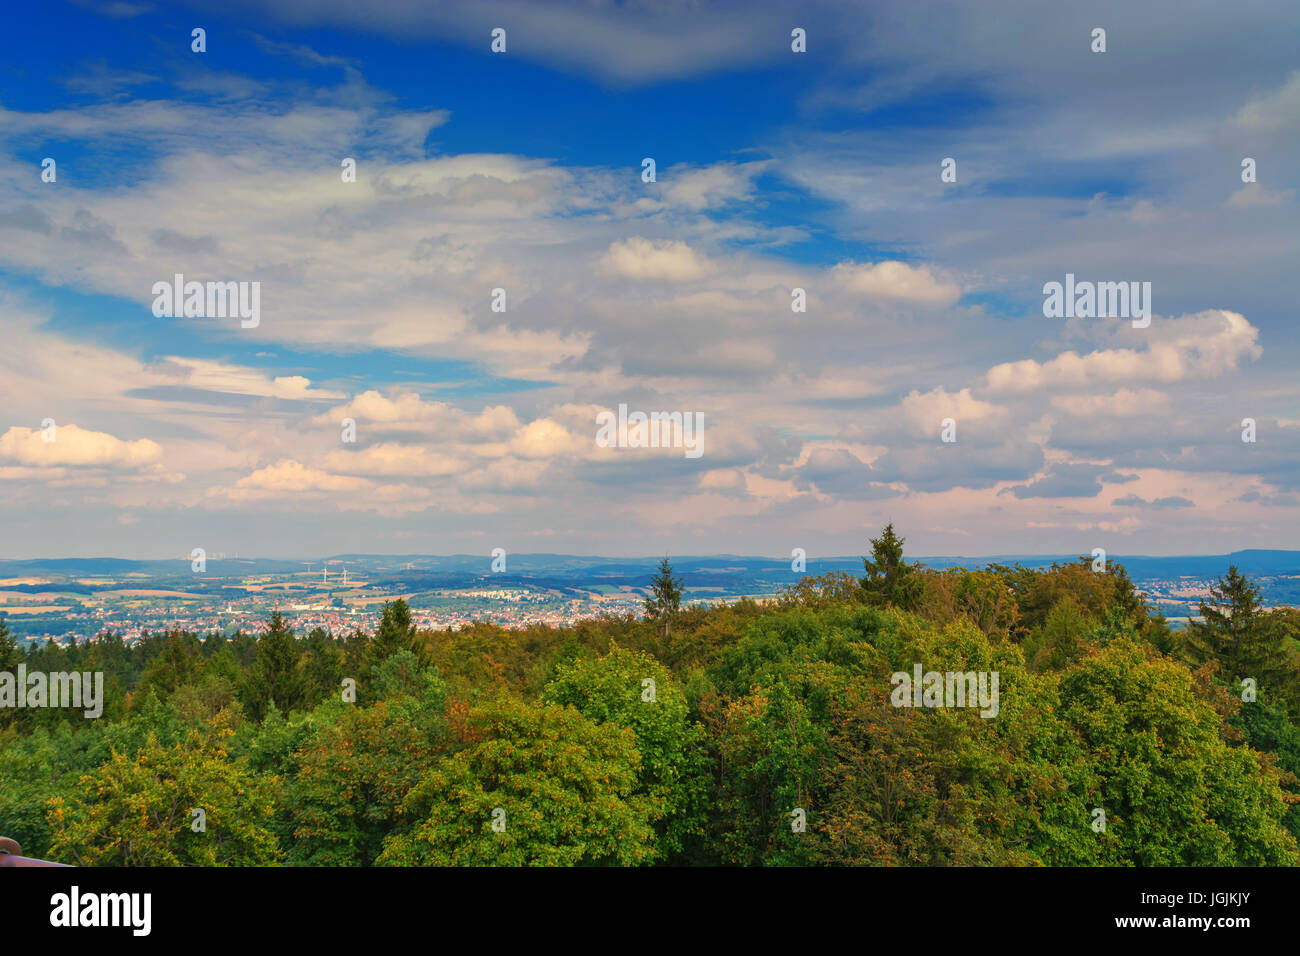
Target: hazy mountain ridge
<point>1250,561</point>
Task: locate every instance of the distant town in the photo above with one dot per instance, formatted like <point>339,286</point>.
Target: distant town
<point>83,597</point>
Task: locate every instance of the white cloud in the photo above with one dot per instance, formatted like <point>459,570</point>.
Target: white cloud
<point>290,477</point>
<point>1254,195</point>
<point>1124,403</point>
<point>393,460</point>
<point>409,412</point>
<point>711,186</point>
<point>545,438</point>
<point>925,412</point>
<point>77,447</point>
<point>621,43</point>
<point>240,380</point>
<point>1273,112</point>
<point>1204,345</point>
<point>897,281</point>
<point>665,260</point>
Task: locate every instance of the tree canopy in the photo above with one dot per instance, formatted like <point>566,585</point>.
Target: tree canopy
<point>749,733</point>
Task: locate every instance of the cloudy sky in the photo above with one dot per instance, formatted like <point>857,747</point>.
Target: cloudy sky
<point>522,171</point>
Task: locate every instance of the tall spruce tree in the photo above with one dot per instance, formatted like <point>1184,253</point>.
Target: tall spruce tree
<point>395,633</point>
<point>10,655</point>
<point>890,579</point>
<point>277,668</point>
<point>10,658</point>
<point>1237,634</point>
<point>665,596</point>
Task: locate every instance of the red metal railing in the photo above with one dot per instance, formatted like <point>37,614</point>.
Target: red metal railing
<point>11,854</point>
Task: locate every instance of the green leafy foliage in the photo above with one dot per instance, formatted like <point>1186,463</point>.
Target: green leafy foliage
<point>631,689</point>
<point>137,810</point>
<point>752,733</point>
<point>559,787</point>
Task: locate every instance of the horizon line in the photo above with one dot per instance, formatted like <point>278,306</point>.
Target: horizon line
<point>681,557</point>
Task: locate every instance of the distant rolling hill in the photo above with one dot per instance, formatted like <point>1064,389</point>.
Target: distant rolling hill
<point>731,574</point>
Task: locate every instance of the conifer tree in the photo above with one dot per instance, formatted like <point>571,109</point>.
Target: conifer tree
<point>890,579</point>
<point>277,668</point>
<point>10,655</point>
<point>666,596</point>
<point>395,633</point>
<point>1237,634</point>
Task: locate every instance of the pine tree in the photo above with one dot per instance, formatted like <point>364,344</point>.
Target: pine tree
<point>10,655</point>
<point>666,596</point>
<point>889,579</point>
<point>395,633</point>
<point>1237,634</point>
<point>354,652</point>
<point>321,667</point>
<point>10,658</point>
<point>277,666</point>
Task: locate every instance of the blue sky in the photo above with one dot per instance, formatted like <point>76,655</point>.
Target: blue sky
<point>776,170</point>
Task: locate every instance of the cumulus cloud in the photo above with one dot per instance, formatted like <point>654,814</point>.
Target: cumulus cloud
<point>544,438</point>
<point>651,260</point>
<point>76,447</point>
<point>1124,403</point>
<point>722,479</point>
<point>676,295</point>
<point>837,471</point>
<point>408,411</point>
<point>1205,345</point>
<point>291,477</point>
<point>897,281</point>
<point>925,412</point>
<point>711,186</point>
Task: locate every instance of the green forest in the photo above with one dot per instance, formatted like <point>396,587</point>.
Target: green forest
<point>740,734</point>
